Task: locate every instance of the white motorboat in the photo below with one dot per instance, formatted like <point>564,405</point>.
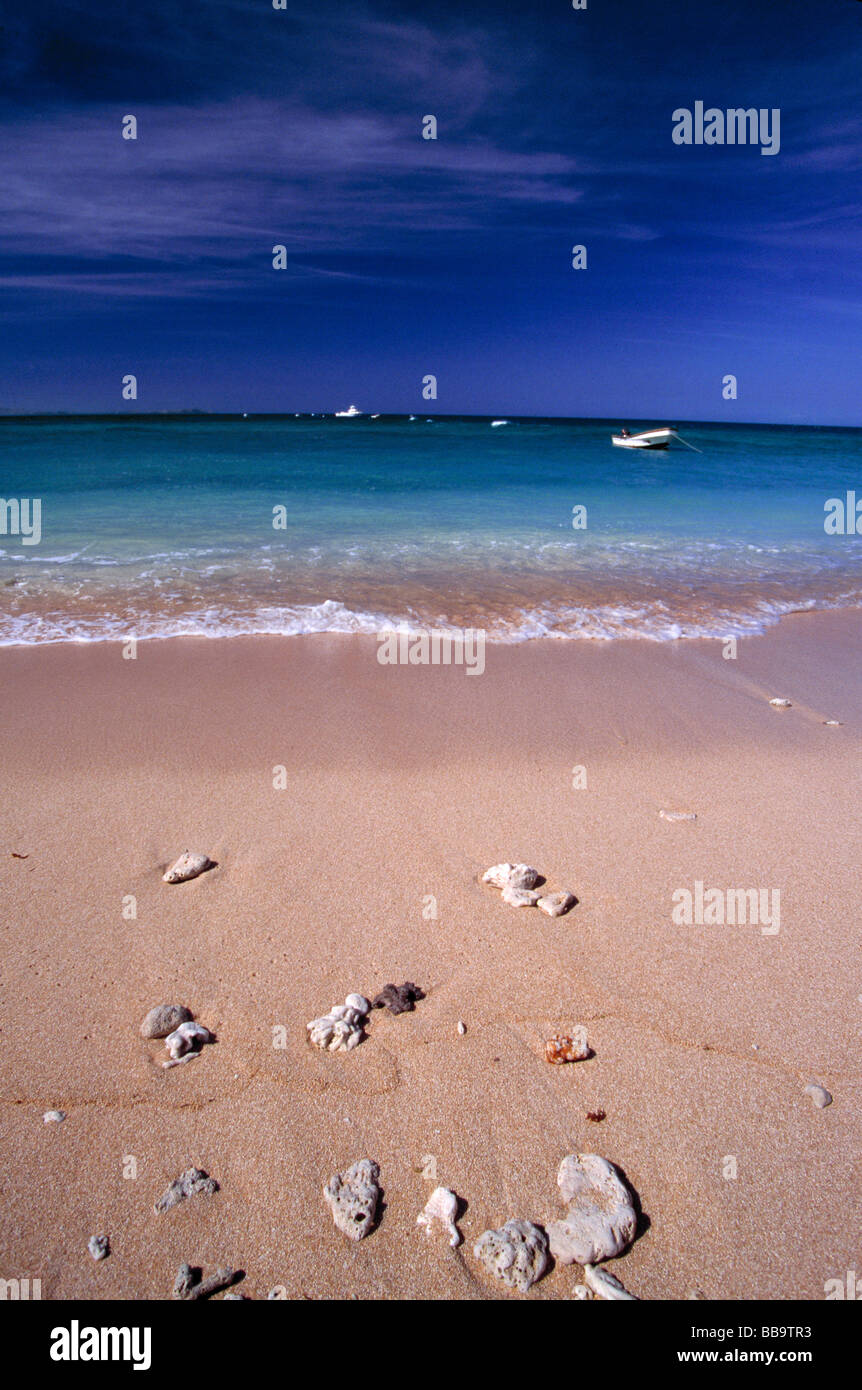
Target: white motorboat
<point>495,423</point>
<point>349,414</point>
<point>647,439</point>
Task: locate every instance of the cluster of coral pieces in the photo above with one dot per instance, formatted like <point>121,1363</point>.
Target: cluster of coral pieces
<point>599,1224</point>
<point>519,887</point>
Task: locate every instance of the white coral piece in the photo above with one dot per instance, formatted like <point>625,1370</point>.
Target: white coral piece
<point>189,865</point>
<point>186,1042</point>
<point>353,1198</point>
<point>441,1206</point>
<point>341,1029</point>
<point>556,904</point>
<point>516,896</point>
<point>517,1253</point>
<point>601,1220</point>
<point>511,876</point>
<point>606,1285</point>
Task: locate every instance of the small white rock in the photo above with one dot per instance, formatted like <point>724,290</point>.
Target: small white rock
<point>819,1095</point>
<point>186,1042</point>
<point>342,1028</point>
<point>606,1285</point>
<point>188,866</point>
<point>353,1197</point>
<point>517,1253</point>
<point>53,1117</point>
<point>511,876</point>
<point>520,897</point>
<point>556,904</point>
<point>99,1247</point>
<point>601,1220</point>
<point>567,1047</point>
<point>778,703</point>
<point>462,1027</point>
<point>678,815</point>
<point>580,1291</point>
<point>441,1206</point>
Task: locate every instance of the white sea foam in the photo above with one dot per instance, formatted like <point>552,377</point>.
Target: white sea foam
<point>603,622</point>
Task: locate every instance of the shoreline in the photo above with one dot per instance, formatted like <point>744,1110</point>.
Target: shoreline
<point>404,784</point>
<point>490,637</point>
<point>245,528</point>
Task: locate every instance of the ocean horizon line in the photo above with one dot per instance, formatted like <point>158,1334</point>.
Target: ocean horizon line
<point>193,413</point>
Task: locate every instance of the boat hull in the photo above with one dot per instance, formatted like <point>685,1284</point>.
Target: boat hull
<point>644,439</point>
<point>636,443</point>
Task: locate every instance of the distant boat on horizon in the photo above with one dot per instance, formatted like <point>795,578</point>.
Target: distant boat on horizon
<point>495,423</point>
<point>350,413</point>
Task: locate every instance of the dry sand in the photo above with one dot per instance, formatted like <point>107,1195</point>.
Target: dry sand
<point>404,783</point>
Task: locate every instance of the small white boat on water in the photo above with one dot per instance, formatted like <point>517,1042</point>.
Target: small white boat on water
<point>495,423</point>
<point>349,414</point>
<point>647,439</point>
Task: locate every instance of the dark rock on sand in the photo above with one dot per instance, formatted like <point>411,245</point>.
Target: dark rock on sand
<point>398,999</point>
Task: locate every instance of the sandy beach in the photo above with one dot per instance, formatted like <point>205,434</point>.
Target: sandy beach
<point>402,786</point>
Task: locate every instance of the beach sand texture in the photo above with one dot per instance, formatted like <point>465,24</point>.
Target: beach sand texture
<point>405,784</point>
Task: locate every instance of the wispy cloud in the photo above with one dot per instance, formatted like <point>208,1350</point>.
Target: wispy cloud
<point>232,179</point>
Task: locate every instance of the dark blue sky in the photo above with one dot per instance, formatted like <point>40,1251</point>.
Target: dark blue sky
<point>302,127</point>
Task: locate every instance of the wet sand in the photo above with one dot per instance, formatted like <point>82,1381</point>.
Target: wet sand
<point>402,785</point>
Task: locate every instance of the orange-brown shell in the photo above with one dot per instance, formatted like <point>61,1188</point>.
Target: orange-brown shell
<point>563,1049</point>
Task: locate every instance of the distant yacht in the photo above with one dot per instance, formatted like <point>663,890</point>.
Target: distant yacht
<point>348,414</point>
<point>495,423</point>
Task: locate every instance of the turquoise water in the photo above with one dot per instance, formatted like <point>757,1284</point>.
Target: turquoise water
<point>164,525</point>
